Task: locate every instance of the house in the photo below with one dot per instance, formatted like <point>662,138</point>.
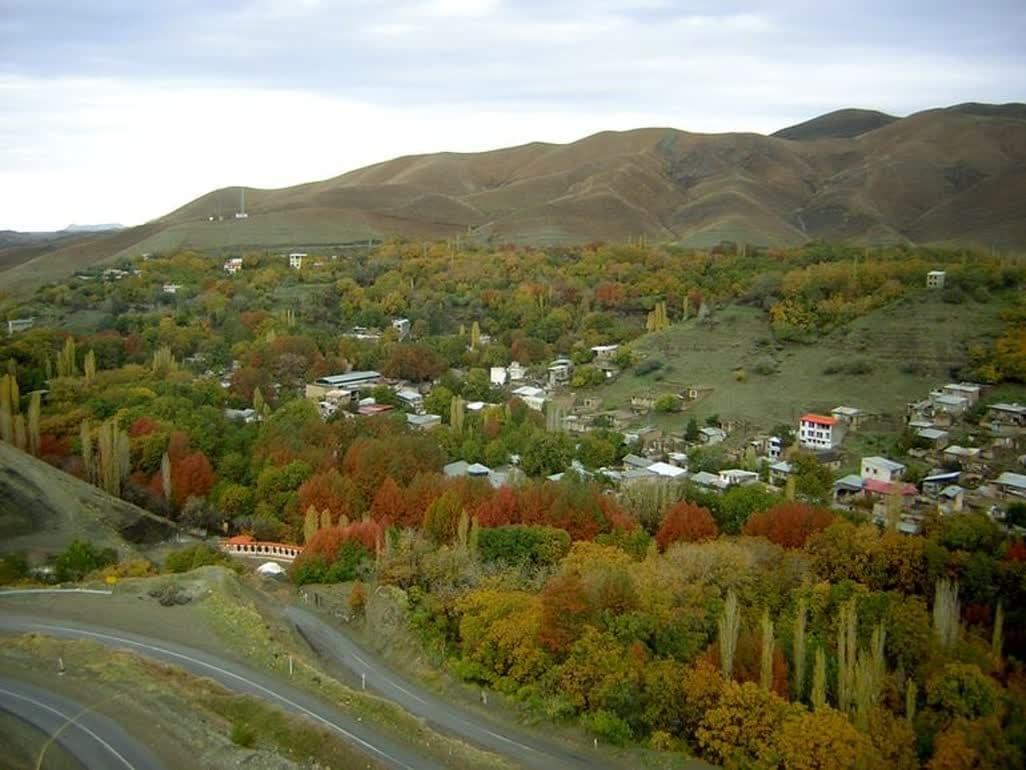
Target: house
<point>881,469</point>
<point>296,260</point>
<point>560,372</point>
<point>1011,484</point>
<point>633,476</point>
<point>353,382</point>
<point>707,480</point>
<point>402,327</point>
<point>233,265</point>
<point>171,288</point>
<point>711,435</point>
<point>937,481</point>
<point>19,325</point>
<point>411,399</point>
<point>970,391</point>
<point>779,472</point>
<point>1005,417</point>
<point>961,454</point>
<point>695,392</point>
<point>646,437</point>
<point>935,279</point>
<point>849,415</point>
<point>667,470</point>
<point>591,403</point>
<point>643,403</point>
<point>946,403</point>
<point>604,352</point>
<point>516,371</point>
<point>372,409</point>
<point>735,477</point>
<point>497,477</point>
<point>532,396</point>
<point>497,376</point>
<point>816,431</point>
<point>881,489</point>
<point>951,499</point>
<point>636,461</point>
<point>934,437</point>
<point>847,488</point>
<point>424,422</point>
<point>245,415</point>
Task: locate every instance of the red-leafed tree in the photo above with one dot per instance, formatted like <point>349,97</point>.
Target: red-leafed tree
<point>331,491</point>
<point>609,295</point>
<point>191,476</point>
<point>422,491</point>
<point>413,362</point>
<point>500,509</point>
<point>686,523</point>
<point>1016,551</point>
<point>326,542</point>
<point>389,504</point>
<point>788,524</point>
<point>565,611</point>
<point>142,427</point>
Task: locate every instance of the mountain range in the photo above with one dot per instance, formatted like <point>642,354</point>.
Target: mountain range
<point>955,175</point>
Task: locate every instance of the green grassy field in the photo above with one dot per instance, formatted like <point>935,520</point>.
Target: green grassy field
<point>904,349</point>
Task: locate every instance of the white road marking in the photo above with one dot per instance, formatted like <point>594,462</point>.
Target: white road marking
<point>71,720</point>
<point>317,717</point>
<point>55,591</point>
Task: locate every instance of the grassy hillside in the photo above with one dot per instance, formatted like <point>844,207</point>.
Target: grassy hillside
<point>43,509</point>
<point>902,351</point>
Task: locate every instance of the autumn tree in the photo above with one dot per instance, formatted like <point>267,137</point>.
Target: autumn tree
<point>745,724</point>
<point>388,504</point>
<point>565,611</point>
<point>788,524</point>
<point>685,522</point>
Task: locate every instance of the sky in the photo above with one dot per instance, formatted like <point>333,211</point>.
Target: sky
<point>121,110</point>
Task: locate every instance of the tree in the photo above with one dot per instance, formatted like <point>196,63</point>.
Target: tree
<point>813,481</point>
<point>66,359</point>
<point>33,422</point>
<point>788,524</point>
<point>667,403</point>
<point>89,367</point>
<point>847,650</point>
<point>442,517</point>
<point>456,414</point>
<point>389,503</point>
<point>191,476</point>
<point>798,650</point>
<point>687,523</point>
<point>80,558</point>
<point>729,625</point>
<point>819,680</point>
<point>766,658</point>
<point>822,740</point>
<point>946,612</point>
<point>546,454</point>
<point>691,433</point>
<point>565,610</point>
<point>962,690</point>
<point>744,725</point>
<point>358,599</point>
<point>165,476</point>
<point>311,524</point>
<point>330,491</point>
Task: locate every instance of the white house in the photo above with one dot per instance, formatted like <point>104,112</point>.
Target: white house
<point>516,371</point>
<point>882,469</point>
<point>296,259</point>
<point>850,415</point>
<point>970,391</point>
<point>560,372</point>
<point>402,327</point>
<point>816,431</point>
<point>532,396</point>
<point>944,401</point>
<point>411,399</point>
<point>171,288</point>
<point>497,376</point>
<point>233,265</point>
<point>935,279</point>
<point>19,325</point>
<point>423,422</point>
<point>712,435</point>
<point>604,352</point>
<point>1012,484</point>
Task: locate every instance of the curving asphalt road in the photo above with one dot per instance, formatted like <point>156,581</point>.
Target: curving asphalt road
<point>94,740</point>
<point>237,678</point>
<point>524,749</point>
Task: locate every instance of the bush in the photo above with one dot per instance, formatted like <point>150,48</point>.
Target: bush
<point>765,366</point>
<point>608,726</point>
<point>194,557</point>
<point>667,403</point>
<point>648,366</point>
<point>13,567</point>
<point>346,566</point>
<point>523,544</point>
<point>310,568</point>
<point>79,559</point>
<point>243,735</point>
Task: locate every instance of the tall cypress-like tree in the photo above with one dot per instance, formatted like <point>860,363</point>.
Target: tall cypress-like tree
<point>88,460</point>
<point>946,612</point>
<point>729,625</point>
<point>89,367</point>
<point>165,476</point>
<point>997,639</point>
<point>766,660</point>
<point>819,680</point>
<point>847,653</point>
<point>35,405</point>
<point>798,650</point>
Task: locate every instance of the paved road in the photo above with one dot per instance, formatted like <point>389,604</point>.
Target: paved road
<point>524,749</point>
<point>237,678</point>
<point>94,740</point>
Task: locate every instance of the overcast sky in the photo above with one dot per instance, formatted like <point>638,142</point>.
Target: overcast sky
<point>121,110</point>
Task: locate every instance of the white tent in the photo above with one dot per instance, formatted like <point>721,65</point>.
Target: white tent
<point>271,569</point>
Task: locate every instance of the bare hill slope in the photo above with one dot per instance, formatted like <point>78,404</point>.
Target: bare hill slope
<point>955,175</point>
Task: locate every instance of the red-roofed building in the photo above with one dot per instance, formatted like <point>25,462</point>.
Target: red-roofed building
<point>372,410</point>
<point>881,487</point>
<point>816,431</point>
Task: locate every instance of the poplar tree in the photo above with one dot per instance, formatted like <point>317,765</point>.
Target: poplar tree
<point>88,461</point>
<point>311,524</point>
<point>326,519</point>
<point>729,625</point>
<point>766,662</point>
<point>165,476</point>
<point>946,612</point>
<point>847,639</point>
<point>997,641</point>
<point>164,362</point>
<point>798,649</point>
<point>89,367</point>
<point>20,434</point>
<point>66,359</point>
<point>910,699</point>
<point>456,414</point>
<point>475,335</point>
<point>819,677</point>
<point>35,405</point>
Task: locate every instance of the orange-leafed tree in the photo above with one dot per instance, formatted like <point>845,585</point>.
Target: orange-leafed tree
<point>191,476</point>
<point>330,491</point>
<point>388,505</point>
<point>565,612</point>
<point>685,522</point>
<point>788,524</point>
<point>500,509</point>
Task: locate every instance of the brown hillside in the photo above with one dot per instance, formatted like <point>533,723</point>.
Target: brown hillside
<point>954,175</point>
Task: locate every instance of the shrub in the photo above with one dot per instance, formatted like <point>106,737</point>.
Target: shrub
<point>80,558</point>
<point>194,557</point>
<point>608,726</point>
<point>648,366</point>
<point>346,566</point>
<point>243,735</point>
<point>308,568</point>
<point>13,567</point>
<point>522,544</point>
<point>667,403</point>
<point>765,366</point>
